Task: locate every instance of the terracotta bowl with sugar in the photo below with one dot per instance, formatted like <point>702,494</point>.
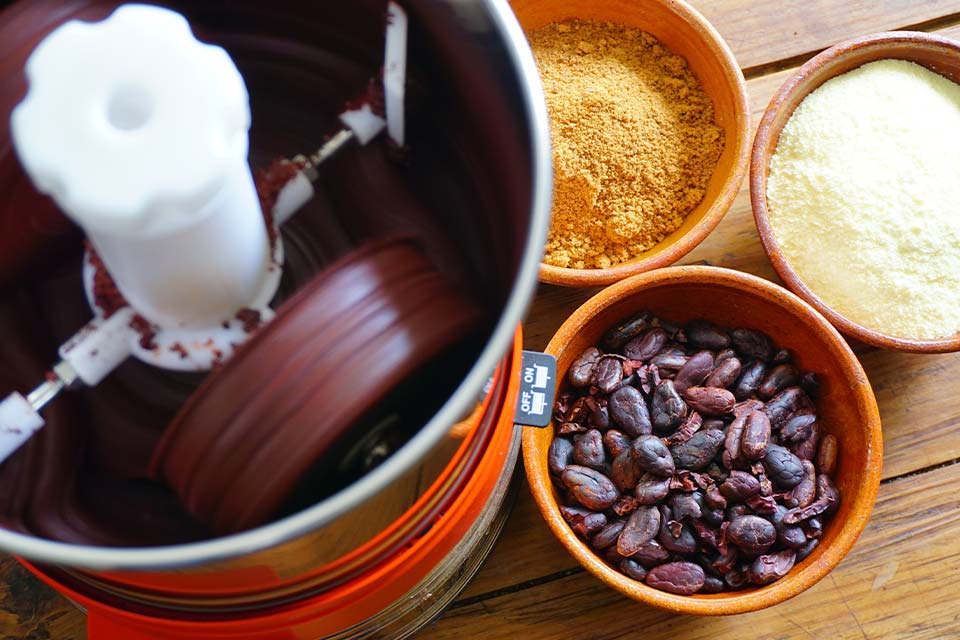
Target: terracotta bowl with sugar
<point>686,33</point>
<point>938,54</point>
<point>846,408</point>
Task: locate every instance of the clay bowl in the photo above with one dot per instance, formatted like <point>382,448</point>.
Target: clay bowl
<point>846,408</point>
<point>937,54</point>
<point>686,33</point>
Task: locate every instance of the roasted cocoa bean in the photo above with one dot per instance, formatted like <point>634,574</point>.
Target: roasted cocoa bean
<point>784,469</point>
<point>812,528</point>
<point>810,383</point>
<point>694,371</point>
<point>581,371</point>
<point>709,401</point>
<point>629,410</point>
<point>651,554</point>
<point>724,354</point>
<point>752,344</point>
<point>588,450</point>
<point>798,428</point>
<point>683,578</point>
<point>806,491</point>
<point>785,405</point>
<point>739,486</point>
<point>781,356</point>
<point>632,569</point>
<point>807,449</point>
<point>617,336</point>
<point>725,373</point>
<point>771,567</point>
<point>651,489</point>
<point>766,487</point>
<point>625,472</point>
<point>715,499</point>
<point>827,454</point>
<point>686,505</point>
<point>751,534</point>
<point>559,455</point>
<point>607,536</point>
<point>675,536</point>
<point>807,549</point>
<point>579,411</point>
<point>624,505</point>
<point>583,522</point>
<point>735,578</point>
<point>646,345</point>
<point>608,374</point>
<point>690,426</point>
<point>745,407</point>
<point>713,423</point>
<point>653,456</point>
<point>697,452</point>
<point>732,440</point>
<point>756,436</point>
<point>711,584</point>
<point>616,442</point>
<point>591,488</point>
<point>713,517</point>
<point>667,409</point>
<point>703,334</point>
<point>599,417</point>
<point>778,378</point>
<point>669,363</point>
<point>642,527</point>
<point>826,490</point>
<point>750,378</point>
<point>569,428</point>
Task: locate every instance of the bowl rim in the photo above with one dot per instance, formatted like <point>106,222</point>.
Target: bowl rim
<point>570,277</point>
<point>767,134</point>
<point>726,603</point>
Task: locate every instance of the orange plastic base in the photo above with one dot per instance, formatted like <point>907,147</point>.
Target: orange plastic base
<point>350,604</point>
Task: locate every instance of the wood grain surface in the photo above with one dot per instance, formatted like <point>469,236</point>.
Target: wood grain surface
<point>900,579</point>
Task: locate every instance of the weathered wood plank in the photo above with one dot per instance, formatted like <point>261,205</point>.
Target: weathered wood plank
<point>31,610</point>
<point>898,582</point>
<point>762,33</point>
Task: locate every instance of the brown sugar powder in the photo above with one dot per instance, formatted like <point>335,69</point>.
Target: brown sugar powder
<point>634,141</point>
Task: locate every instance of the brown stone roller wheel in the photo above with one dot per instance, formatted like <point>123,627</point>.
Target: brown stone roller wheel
<point>253,430</point>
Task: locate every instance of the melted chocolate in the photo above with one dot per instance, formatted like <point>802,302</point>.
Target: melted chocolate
<point>465,177</point>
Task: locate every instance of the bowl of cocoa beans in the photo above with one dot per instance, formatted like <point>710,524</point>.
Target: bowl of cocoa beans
<point>715,445</point>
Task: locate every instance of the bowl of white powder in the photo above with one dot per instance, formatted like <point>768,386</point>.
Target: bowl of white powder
<point>855,185</point>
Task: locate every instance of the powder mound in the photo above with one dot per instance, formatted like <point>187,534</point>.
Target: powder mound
<point>634,141</point>
<point>862,197</point>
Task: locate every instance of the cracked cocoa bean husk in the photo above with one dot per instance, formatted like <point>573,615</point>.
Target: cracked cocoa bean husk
<point>629,410</point>
<point>734,485</point>
<point>591,488</point>
<point>771,567</point>
<point>581,371</point>
<point>683,578</point>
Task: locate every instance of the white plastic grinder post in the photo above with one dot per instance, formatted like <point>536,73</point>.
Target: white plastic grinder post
<point>139,132</point>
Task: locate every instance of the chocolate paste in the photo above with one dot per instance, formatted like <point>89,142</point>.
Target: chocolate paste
<point>84,477</point>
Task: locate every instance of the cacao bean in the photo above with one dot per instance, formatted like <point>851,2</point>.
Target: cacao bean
<point>591,488</point>
<point>581,371</point>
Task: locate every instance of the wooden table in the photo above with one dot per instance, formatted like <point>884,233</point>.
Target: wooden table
<point>900,580</point>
